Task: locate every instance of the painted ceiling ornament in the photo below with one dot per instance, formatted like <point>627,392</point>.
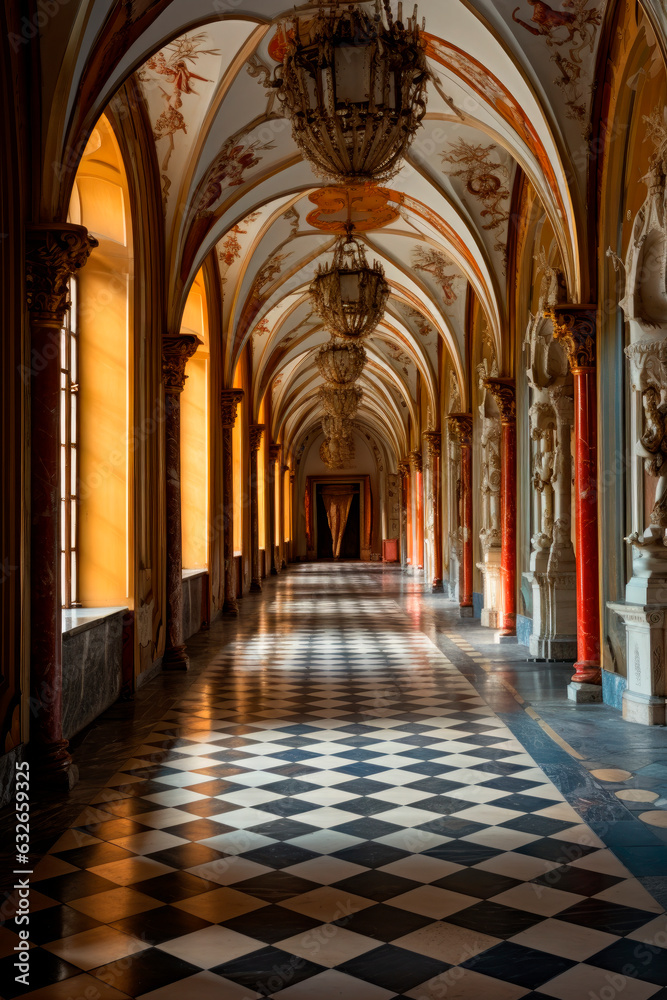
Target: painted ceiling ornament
<point>569,34</point>
<point>485,178</point>
<point>353,84</point>
<point>348,295</point>
<point>435,263</point>
<point>340,362</point>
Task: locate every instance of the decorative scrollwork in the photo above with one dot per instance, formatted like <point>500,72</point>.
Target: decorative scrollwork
<point>176,352</point>
<point>229,401</point>
<point>575,327</point>
<point>53,255</point>
<point>503,391</point>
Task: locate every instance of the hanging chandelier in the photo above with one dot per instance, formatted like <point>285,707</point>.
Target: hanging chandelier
<point>342,403</point>
<point>337,451</point>
<point>353,84</point>
<point>348,295</point>
<point>340,362</point>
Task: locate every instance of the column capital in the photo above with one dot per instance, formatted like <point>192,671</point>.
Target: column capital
<point>256,431</point>
<point>292,478</point>
<point>176,352</point>
<point>274,452</point>
<point>575,326</point>
<point>404,468</point>
<point>503,391</point>
<point>229,401</point>
<point>462,426</point>
<point>415,458</point>
<point>433,441</point>
<point>53,254</point>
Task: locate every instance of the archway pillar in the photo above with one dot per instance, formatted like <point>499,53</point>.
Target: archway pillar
<point>433,444</point>
<point>229,401</point>
<point>575,327</point>
<point>176,352</point>
<point>504,392</point>
<point>256,431</point>
<point>462,425</point>
<point>53,255</point>
<point>274,513</point>
<point>404,476</point>
<point>417,505</point>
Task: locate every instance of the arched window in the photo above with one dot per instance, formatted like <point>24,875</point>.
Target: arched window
<point>194,434</point>
<point>98,483</point>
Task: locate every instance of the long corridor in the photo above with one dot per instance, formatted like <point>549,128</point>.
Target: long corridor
<point>332,811</point>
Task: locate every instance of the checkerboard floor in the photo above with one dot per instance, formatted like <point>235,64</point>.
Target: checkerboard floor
<point>330,812</point>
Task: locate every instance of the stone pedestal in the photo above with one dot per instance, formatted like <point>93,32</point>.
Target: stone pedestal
<point>176,351</point>
<point>644,699</point>
<point>53,255</point>
<point>490,570</point>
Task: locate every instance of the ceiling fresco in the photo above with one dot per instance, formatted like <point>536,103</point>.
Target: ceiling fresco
<point>510,93</point>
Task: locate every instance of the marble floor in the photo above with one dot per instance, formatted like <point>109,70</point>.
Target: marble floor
<point>331,810</point>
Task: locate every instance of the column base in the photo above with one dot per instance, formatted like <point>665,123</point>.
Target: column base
<point>437,587</point>
<point>584,694</point>
<point>256,586</point>
<point>230,607</point>
<point>553,649</point>
<point>176,658</point>
<point>587,672</point>
<point>466,610</point>
<point>490,618</point>
<point>646,709</point>
<point>506,638</point>
<point>283,565</point>
<point>53,766</point>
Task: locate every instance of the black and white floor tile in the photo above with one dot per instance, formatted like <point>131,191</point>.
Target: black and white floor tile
<point>333,812</point>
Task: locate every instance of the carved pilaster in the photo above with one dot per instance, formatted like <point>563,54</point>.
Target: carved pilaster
<point>575,326</point>
<point>503,391</point>
<point>176,352</point>
<point>53,255</point>
<point>461,424</point>
<point>229,401</point>
<point>256,431</point>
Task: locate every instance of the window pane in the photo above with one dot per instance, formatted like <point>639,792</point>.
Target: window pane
<point>73,418</point>
<point>72,473</point>
<point>73,359</point>
<point>73,293</point>
<point>73,516</point>
<point>64,485</point>
<point>63,348</point>
<point>63,525</point>
<point>73,580</point>
<point>63,416</point>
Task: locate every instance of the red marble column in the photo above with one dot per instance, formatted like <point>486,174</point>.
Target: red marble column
<point>229,400</point>
<point>53,255</point>
<point>503,391</point>
<point>256,431</point>
<point>418,511</point>
<point>575,326</point>
<point>462,423</point>
<point>176,352</point>
<point>274,455</point>
<point>432,440</point>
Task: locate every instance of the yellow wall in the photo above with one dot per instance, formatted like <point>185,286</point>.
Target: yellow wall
<point>194,464</point>
<point>239,479</point>
<point>100,202</point>
<point>194,435</point>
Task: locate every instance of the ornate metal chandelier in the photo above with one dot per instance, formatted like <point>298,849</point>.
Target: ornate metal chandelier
<point>348,295</point>
<point>353,84</point>
<point>340,362</point>
<point>342,403</point>
<point>337,451</point>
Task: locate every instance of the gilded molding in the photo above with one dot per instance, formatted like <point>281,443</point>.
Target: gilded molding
<point>575,327</point>
<point>503,391</point>
<point>256,431</point>
<point>403,468</point>
<point>229,401</point>
<point>176,352</point>
<point>53,255</point>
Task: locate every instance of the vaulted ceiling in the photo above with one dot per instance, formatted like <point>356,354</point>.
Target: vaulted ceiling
<point>511,90</point>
